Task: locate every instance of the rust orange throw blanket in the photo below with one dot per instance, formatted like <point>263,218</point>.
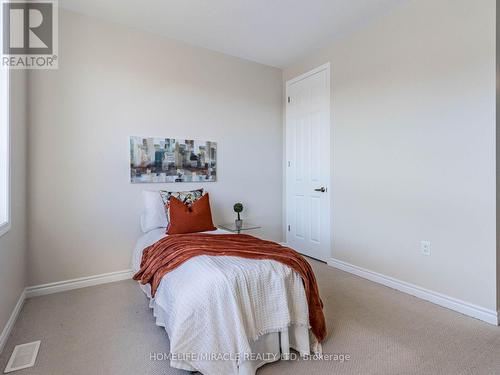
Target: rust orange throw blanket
<point>172,251</point>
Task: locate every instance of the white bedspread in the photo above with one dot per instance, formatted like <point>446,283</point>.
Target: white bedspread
<point>222,305</point>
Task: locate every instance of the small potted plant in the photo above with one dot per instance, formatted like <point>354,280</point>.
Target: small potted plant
<point>238,208</point>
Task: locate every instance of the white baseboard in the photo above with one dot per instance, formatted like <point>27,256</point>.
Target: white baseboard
<point>489,316</point>
<point>12,320</point>
<point>60,286</point>
<point>82,282</point>
<point>478,312</point>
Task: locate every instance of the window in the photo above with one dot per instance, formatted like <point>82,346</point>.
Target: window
<point>4,148</point>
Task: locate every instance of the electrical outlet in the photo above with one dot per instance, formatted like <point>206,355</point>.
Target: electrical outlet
<point>425,248</point>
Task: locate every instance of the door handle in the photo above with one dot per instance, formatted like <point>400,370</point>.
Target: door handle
<point>321,189</point>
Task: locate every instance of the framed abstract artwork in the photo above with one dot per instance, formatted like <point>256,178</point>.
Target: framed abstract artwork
<point>172,160</point>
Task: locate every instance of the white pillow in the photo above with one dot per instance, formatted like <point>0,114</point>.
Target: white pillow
<point>154,215</point>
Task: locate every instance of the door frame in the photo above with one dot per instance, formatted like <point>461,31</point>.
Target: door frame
<point>325,67</point>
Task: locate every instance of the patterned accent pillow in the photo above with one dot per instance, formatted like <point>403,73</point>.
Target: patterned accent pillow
<point>186,197</point>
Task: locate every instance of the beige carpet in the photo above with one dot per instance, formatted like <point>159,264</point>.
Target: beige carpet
<point>109,329</point>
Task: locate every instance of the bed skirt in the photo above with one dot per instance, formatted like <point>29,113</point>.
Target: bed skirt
<point>267,348</point>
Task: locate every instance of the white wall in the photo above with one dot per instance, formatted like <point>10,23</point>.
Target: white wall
<point>114,82</point>
<point>497,113</point>
<point>413,118</point>
<point>13,244</point>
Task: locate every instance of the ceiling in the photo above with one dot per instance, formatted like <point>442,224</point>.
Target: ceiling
<point>271,32</point>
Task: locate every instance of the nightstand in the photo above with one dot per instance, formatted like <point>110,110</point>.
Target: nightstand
<point>231,227</point>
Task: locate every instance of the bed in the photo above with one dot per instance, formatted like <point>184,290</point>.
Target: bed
<point>229,315</point>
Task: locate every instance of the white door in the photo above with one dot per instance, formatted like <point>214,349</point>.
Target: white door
<point>308,163</point>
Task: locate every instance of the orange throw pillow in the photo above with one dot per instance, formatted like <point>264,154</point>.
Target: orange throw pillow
<point>190,219</point>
